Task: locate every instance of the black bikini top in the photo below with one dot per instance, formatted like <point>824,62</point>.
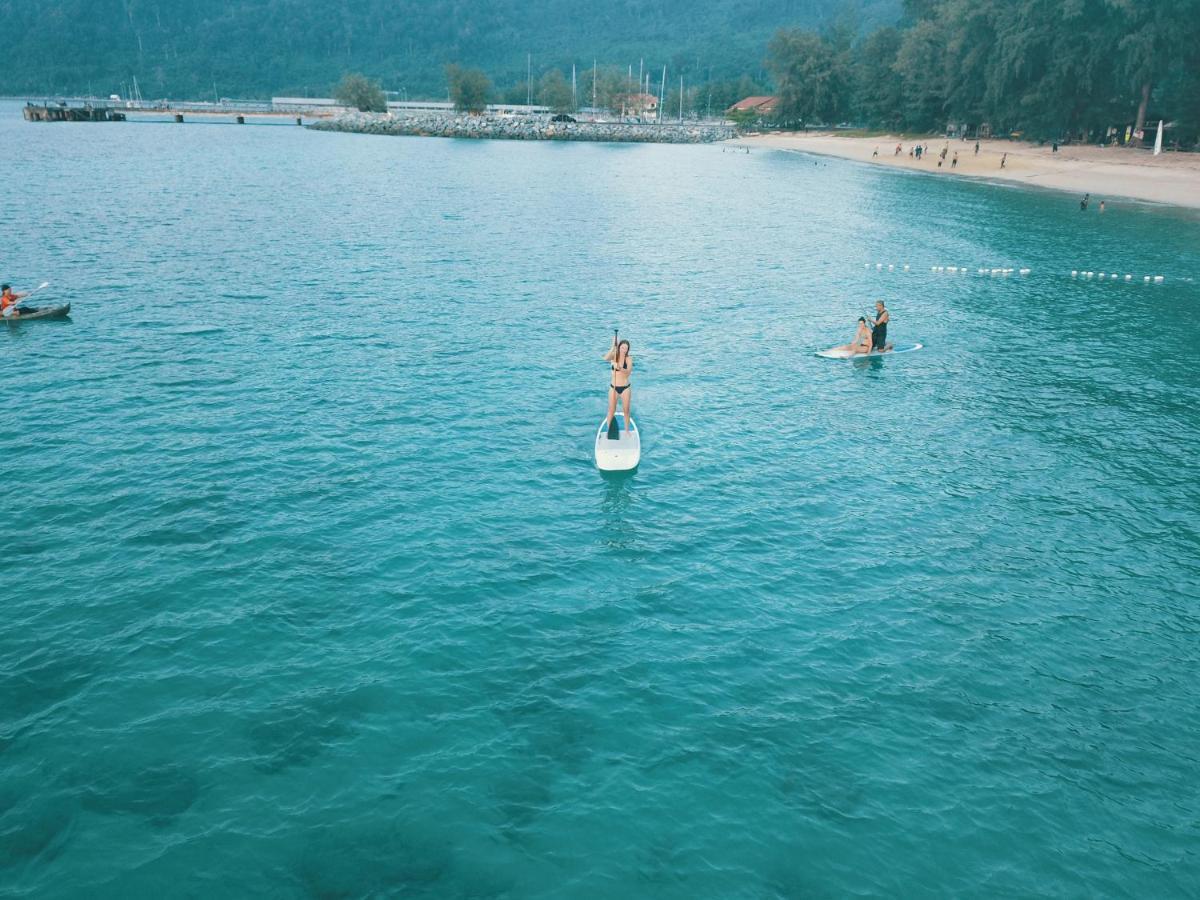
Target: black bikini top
<point>624,367</point>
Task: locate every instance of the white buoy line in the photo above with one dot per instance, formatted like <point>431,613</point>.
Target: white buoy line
<point>1088,275</point>
<point>946,270</point>
<point>1004,272</point>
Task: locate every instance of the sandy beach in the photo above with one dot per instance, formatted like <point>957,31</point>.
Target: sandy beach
<point>1107,173</point>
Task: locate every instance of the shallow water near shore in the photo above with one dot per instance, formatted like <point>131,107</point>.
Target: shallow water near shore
<point>311,588</point>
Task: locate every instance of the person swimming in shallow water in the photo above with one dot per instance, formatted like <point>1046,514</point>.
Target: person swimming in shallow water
<point>619,387</point>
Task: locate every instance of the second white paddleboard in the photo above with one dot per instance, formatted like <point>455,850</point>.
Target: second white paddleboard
<point>839,353</point>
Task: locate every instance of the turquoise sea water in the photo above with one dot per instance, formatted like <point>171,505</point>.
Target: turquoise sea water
<point>310,588</point>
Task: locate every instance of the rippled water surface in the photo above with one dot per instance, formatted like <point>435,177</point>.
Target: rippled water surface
<point>310,586</point>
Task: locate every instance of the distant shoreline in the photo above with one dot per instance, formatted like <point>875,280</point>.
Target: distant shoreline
<point>1107,173</point>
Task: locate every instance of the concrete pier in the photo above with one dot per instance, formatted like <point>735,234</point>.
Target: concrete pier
<point>61,112</point>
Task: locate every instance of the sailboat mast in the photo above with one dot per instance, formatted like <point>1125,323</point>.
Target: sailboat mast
<point>662,93</point>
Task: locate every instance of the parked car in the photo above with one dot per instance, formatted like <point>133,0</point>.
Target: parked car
<point>563,117</point>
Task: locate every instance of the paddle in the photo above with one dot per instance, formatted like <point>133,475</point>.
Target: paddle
<point>614,432</point>
<point>8,312</point>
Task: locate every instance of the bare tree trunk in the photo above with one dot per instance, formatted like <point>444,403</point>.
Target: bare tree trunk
<point>1141,116</point>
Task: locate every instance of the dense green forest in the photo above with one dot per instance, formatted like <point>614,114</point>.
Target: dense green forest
<point>1050,69</point>
<point>260,48</point>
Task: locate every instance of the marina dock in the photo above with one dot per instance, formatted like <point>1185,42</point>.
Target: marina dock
<point>239,111</point>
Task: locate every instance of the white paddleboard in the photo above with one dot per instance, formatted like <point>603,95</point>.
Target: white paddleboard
<point>621,454</point>
<point>838,353</point>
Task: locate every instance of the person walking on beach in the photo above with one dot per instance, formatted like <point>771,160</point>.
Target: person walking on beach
<point>977,148</point>
<point>619,387</point>
<point>945,150</point>
<point>875,154</point>
<point>954,162</point>
<point>899,150</point>
<point>1004,160</point>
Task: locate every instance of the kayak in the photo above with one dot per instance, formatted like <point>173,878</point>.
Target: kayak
<point>618,450</point>
<point>839,353</point>
<point>44,312</point>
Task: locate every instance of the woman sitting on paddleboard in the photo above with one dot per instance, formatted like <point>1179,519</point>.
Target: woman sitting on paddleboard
<point>862,339</point>
<point>622,365</point>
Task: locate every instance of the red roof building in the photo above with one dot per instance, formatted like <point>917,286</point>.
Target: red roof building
<point>763,106</point>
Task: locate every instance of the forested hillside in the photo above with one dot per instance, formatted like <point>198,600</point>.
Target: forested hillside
<point>246,48</point>
<point>1050,69</point>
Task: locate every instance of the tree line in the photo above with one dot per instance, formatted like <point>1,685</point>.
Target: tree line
<point>201,49</point>
<point>1047,69</point>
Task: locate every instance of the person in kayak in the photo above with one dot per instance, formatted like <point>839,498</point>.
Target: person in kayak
<point>862,339</point>
<point>621,363</point>
<point>9,300</point>
<point>879,329</point>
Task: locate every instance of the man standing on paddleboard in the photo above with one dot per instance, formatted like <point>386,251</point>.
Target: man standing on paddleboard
<point>879,326</point>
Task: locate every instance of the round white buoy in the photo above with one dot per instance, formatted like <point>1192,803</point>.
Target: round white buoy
<point>1158,279</point>
<point>1074,273</point>
<point>1024,271</point>
<point>952,269</point>
<point>1114,276</point>
<point>1129,278</point>
<point>1101,276</point>
<point>866,265</point>
<point>891,268</point>
<point>878,266</point>
<point>906,267</point>
<point>1146,279</point>
<point>995,271</point>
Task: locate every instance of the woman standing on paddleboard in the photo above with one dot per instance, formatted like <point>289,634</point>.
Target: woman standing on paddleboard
<point>619,387</point>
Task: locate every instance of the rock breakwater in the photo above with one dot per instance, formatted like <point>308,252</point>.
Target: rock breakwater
<point>525,129</point>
